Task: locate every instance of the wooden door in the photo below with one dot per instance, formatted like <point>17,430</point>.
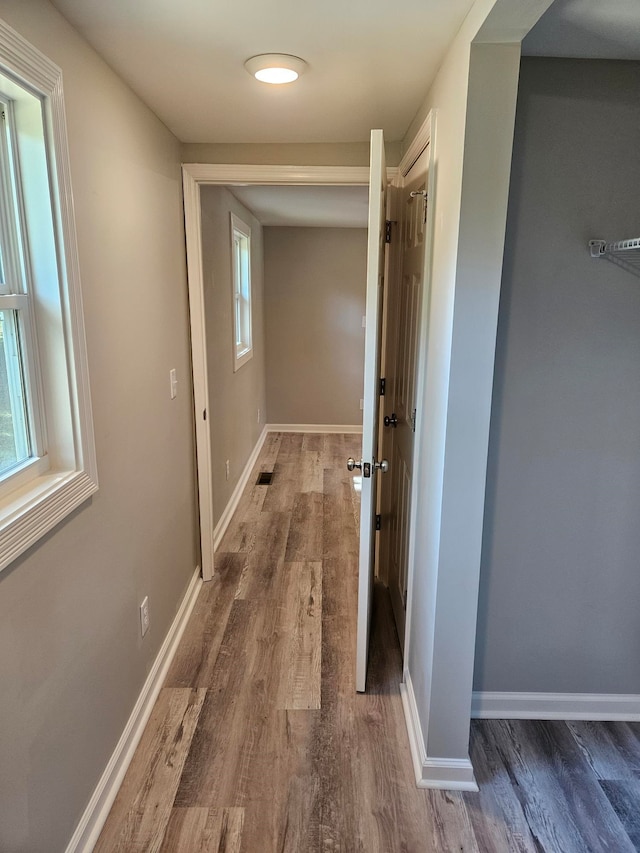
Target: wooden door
<point>406,293</point>
<point>368,465</point>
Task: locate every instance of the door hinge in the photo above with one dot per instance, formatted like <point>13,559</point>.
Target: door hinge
<point>378,521</point>
<point>204,414</point>
<point>413,419</point>
<point>387,231</point>
<point>383,386</point>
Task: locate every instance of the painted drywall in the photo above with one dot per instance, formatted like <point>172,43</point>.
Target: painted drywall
<point>235,398</point>
<point>287,154</point>
<point>560,583</point>
<point>315,281</point>
<point>72,661</point>
<point>473,99</point>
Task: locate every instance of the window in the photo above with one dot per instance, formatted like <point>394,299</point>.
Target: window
<point>47,456</point>
<point>241,280</point>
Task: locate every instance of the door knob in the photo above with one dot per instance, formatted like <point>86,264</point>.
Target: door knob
<point>391,420</point>
<point>351,464</point>
<point>382,466</point>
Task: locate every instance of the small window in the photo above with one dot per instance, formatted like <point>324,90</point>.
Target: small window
<point>241,280</point>
<point>21,427</point>
<point>47,452</point>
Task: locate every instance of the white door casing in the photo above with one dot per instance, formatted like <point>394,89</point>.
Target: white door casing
<point>194,176</point>
<point>375,271</point>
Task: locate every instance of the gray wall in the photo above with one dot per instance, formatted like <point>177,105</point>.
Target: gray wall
<point>560,580</point>
<point>235,398</point>
<point>72,661</point>
<point>315,281</point>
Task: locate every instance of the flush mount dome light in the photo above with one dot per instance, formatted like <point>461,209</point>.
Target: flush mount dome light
<point>275,68</point>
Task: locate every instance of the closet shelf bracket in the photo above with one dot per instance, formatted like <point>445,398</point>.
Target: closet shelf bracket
<point>624,253</point>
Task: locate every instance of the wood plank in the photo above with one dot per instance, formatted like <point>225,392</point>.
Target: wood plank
<point>561,798</point>
<point>612,749</point>
<point>496,812</point>
<point>280,495</point>
<point>313,441</point>
<point>238,715</point>
<point>303,610</point>
<point>204,831</point>
<point>305,540</point>
<point>269,452</point>
<point>311,471</point>
<point>624,796</point>
<point>196,657</point>
<point>141,811</point>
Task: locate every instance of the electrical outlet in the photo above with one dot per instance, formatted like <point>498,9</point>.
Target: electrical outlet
<point>173,383</point>
<point>144,615</point>
<point>258,415</point>
<point>226,468</point>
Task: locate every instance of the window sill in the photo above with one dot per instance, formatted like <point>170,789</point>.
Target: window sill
<point>241,359</point>
<point>31,511</point>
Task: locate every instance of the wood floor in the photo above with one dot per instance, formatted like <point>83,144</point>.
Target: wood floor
<point>259,743</point>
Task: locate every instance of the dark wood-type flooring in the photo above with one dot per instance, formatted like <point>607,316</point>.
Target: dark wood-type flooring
<point>258,742</point>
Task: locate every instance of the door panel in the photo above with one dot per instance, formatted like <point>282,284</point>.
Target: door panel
<point>408,294</point>
<point>375,271</point>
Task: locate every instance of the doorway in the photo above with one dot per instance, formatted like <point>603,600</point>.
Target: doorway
<point>195,177</point>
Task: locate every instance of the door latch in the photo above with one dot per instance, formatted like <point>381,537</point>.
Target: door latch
<point>366,467</point>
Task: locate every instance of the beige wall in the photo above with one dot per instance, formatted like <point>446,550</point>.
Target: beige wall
<point>235,398</point>
<point>284,154</point>
<point>315,300</point>
<point>72,661</point>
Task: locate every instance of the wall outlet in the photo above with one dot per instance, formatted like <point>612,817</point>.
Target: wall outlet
<point>258,415</point>
<point>144,615</point>
<point>226,468</point>
<point>173,383</point>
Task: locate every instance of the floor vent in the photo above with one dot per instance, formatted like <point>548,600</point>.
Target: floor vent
<point>265,478</point>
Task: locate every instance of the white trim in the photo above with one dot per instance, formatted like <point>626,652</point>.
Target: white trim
<point>95,815</point>
<point>234,500</point>
<point>193,175</point>
<point>450,774</point>
<point>195,278</point>
<point>324,429</point>
<point>555,706</point>
<point>417,146</point>
<point>222,173</point>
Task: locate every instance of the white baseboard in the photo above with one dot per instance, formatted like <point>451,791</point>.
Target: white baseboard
<point>555,706</point>
<point>326,429</point>
<point>234,500</point>
<point>86,834</point>
<point>450,774</point>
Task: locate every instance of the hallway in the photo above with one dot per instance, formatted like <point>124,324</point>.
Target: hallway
<point>259,743</point>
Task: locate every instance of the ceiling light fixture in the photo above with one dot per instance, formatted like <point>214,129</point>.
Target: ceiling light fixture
<point>275,68</point>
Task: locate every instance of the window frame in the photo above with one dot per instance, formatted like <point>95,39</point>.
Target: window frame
<point>64,473</point>
<point>241,292</point>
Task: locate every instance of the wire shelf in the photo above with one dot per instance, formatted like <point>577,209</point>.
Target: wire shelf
<point>624,253</point>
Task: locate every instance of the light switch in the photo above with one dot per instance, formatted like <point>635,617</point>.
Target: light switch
<point>173,383</point>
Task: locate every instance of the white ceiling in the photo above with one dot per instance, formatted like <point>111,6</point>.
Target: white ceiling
<point>328,207</point>
<point>370,62</point>
<point>587,29</point>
